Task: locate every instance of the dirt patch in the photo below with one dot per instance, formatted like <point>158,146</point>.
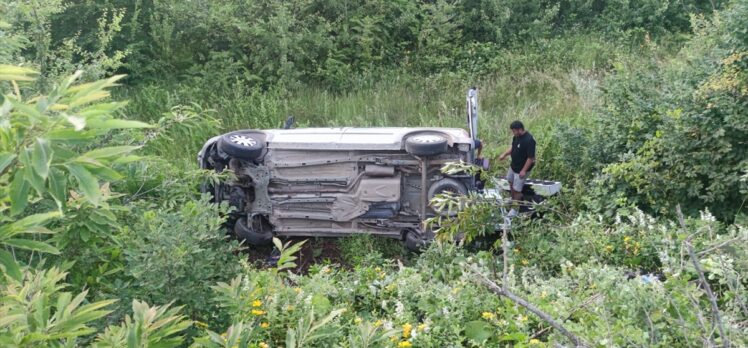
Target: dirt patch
<point>314,251</point>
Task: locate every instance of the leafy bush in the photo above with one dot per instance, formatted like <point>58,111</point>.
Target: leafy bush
<point>47,144</point>
<point>35,311</point>
<point>147,327</point>
<point>177,254</point>
<point>671,132</point>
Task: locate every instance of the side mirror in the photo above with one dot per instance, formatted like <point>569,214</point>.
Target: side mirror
<point>289,122</point>
<point>472,112</point>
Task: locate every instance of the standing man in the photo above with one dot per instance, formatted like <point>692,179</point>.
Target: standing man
<point>523,159</point>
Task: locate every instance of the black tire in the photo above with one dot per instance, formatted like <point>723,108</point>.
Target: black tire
<point>413,241</point>
<point>246,145</point>
<point>447,185</point>
<point>427,144</point>
<point>258,234</point>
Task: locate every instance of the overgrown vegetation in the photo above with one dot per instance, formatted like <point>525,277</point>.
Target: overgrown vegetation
<point>640,107</point>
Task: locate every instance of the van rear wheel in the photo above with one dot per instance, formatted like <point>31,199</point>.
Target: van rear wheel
<point>426,144</point>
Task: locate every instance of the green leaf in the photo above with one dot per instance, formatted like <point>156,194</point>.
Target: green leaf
<point>41,157</point>
<point>87,92</point>
<point>36,181</point>
<point>16,73</point>
<point>25,109</point>
<point>31,245</point>
<point>58,183</point>
<point>6,159</point>
<point>9,264</point>
<point>86,182</point>
<point>321,303</point>
<point>100,109</point>
<point>111,151</point>
<point>127,159</point>
<point>105,173</point>
<point>35,220</point>
<point>117,124</point>
<point>70,135</point>
<point>19,192</point>
<point>478,331</point>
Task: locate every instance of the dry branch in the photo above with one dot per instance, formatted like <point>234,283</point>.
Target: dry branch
<point>503,291</point>
<point>702,279</point>
<point>571,313</point>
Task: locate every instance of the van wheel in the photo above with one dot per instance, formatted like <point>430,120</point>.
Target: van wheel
<point>242,144</point>
<point>413,241</point>
<point>447,185</point>
<point>258,233</point>
<point>426,145</point>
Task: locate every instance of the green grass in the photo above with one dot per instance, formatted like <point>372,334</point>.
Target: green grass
<point>553,81</point>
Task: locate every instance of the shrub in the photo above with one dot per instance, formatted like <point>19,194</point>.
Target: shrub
<point>177,254</point>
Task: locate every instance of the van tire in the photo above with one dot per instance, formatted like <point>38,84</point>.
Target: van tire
<point>245,145</point>
<point>426,144</point>
<point>447,185</point>
<point>413,241</point>
<point>251,234</point>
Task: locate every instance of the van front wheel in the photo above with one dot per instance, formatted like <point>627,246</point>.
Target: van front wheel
<point>258,233</point>
<point>414,241</point>
<point>245,145</point>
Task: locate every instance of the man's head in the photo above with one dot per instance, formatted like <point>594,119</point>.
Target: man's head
<point>517,128</point>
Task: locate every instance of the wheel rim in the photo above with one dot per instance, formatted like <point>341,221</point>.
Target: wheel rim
<point>243,140</point>
<point>428,139</point>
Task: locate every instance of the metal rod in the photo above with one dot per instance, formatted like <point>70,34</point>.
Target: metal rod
<point>424,191</point>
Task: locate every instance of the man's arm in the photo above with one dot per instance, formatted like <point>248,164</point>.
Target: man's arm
<point>530,158</point>
<point>505,154</point>
<point>527,165</point>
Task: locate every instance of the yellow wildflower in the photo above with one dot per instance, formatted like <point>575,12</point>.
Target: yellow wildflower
<point>407,328</point>
<point>525,262</point>
<point>522,318</point>
<point>544,294</point>
<point>265,325</point>
<point>534,341</point>
<point>298,290</point>
<point>258,312</point>
<point>377,323</point>
<point>609,248</point>
<point>626,239</point>
<point>357,320</point>
<point>256,303</point>
<point>404,344</point>
<point>488,315</point>
<point>264,345</point>
<point>421,327</point>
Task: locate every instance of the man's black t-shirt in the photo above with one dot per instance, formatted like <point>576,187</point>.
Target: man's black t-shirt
<point>523,147</point>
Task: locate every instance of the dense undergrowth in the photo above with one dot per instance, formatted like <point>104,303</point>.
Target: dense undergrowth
<point>640,108</point>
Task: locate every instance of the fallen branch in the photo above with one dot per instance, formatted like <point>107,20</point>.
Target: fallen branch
<point>503,291</point>
<point>573,310</point>
<point>702,279</point>
<point>718,246</point>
